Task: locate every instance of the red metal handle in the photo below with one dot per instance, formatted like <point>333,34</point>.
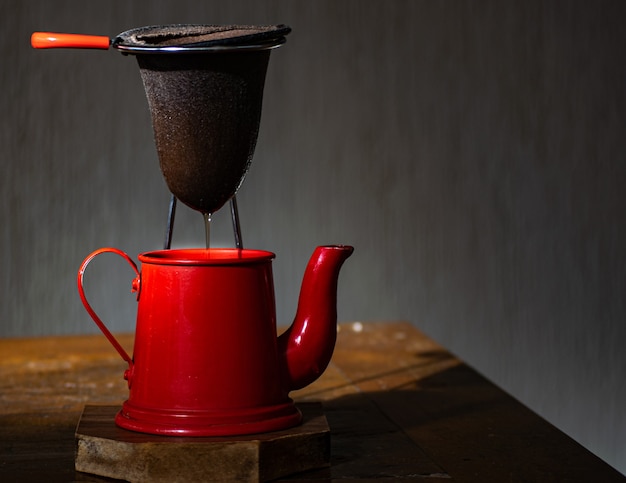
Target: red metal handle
<point>50,40</point>
<point>92,313</point>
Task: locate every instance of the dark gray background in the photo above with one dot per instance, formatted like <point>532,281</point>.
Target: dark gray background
<point>472,152</point>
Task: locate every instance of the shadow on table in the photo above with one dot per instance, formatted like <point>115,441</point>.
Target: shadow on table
<point>453,425</point>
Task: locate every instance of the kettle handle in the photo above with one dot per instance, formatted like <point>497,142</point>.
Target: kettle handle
<point>92,313</point>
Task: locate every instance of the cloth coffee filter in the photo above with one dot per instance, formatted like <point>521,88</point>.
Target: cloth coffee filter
<point>205,98</point>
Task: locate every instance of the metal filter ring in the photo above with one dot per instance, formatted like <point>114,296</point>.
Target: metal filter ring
<point>190,38</point>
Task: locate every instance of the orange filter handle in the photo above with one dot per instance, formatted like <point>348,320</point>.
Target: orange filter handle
<point>51,40</point>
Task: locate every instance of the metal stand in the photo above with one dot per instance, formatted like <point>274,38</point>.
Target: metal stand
<point>169,229</point>
<point>234,214</point>
<point>171,215</point>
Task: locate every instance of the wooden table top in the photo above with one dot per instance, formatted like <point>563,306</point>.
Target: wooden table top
<point>399,406</point>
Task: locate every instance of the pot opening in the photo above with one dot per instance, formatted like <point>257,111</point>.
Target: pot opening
<point>201,256</point>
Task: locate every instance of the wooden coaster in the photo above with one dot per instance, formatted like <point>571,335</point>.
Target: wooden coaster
<point>104,449</point>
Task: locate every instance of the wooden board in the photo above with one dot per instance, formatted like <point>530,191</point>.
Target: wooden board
<point>106,450</point>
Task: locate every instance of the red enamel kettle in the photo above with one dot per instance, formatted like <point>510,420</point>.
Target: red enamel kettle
<point>207,360</point>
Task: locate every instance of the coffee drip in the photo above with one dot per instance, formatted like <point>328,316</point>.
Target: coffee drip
<point>207,360</point>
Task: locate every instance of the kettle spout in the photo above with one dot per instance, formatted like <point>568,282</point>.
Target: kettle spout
<point>306,347</point>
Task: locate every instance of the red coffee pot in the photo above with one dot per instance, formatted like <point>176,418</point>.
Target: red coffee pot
<point>207,360</point>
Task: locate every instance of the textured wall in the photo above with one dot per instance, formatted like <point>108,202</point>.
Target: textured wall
<point>473,152</point>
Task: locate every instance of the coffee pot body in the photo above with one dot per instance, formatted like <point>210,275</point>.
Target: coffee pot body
<point>207,360</point>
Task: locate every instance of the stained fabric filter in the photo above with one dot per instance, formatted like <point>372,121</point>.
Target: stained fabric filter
<point>205,100</point>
